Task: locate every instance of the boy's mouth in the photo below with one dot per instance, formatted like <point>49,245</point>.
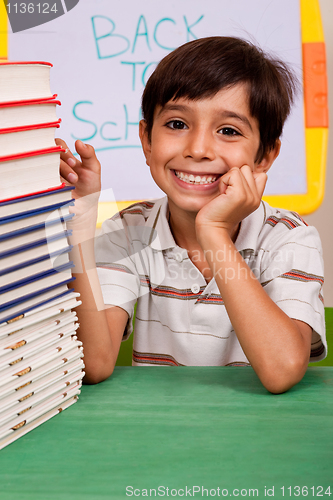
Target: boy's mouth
<point>196,179</point>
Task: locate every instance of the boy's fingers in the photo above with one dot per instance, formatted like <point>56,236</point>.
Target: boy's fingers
<point>260,180</point>
<point>234,178</point>
<point>88,156</point>
<point>66,155</point>
<point>67,172</point>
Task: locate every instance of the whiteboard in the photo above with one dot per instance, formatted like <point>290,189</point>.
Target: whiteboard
<point>104,51</point>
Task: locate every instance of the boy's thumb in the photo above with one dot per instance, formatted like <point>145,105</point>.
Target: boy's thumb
<point>88,156</point>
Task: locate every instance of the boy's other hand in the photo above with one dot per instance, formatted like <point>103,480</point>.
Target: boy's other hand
<point>85,175</point>
<point>241,191</point>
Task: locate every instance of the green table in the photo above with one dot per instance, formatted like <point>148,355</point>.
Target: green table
<point>179,428</point>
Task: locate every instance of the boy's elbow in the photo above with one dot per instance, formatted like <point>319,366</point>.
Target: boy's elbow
<point>96,378</point>
<point>96,372</point>
<point>280,379</point>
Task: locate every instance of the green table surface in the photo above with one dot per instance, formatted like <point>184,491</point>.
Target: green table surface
<point>179,428</point>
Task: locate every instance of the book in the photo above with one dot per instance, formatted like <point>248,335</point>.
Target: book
<point>38,359</point>
<point>34,284</point>
<point>41,366</point>
<point>22,255</point>
<point>35,201</point>
<point>40,379</point>
<point>22,308</point>
<point>36,398</point>
<point>14,434</point>
<point>58,399</point>
<point>26,237</point>
<point>34,268</point>
<point>40,314</point>
<point>18,355</point>
<point>33,112</point>
<point>27,138</point>
<point>44,215</point>
<point>37,170</point>
<point>71,355</point>
<point>25,80</point>
<point>22,337</point>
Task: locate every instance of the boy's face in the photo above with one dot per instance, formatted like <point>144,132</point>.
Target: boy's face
<point>193,143</point>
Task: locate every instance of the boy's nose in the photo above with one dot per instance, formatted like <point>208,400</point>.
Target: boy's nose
<point>199,145</point>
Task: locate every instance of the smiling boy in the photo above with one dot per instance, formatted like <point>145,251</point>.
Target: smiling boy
<point>219,277</point>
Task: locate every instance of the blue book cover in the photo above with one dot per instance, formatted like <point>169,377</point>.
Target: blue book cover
<point>34,227</point>
<point>34,244</point>
<point>28,309</point>
<point>31,262</point>
<point>35,277</point>
<point>37,211</point>
<point>21,300</point>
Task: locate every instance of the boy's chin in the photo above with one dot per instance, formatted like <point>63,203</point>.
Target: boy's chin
<point>191,206</point>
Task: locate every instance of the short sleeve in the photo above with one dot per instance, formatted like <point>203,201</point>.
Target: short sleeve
<point>116,267</point>
<point>292,274</point>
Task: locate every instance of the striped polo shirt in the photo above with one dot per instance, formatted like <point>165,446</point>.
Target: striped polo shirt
<point>182,320</point>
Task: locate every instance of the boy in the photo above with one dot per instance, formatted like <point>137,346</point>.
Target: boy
<point>220,277</point>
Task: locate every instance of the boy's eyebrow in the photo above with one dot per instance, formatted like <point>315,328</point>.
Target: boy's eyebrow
<point>223,114</point>
<point>242,118</point>
<point>172,107</point>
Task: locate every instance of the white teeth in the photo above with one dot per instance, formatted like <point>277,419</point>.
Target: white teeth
<point>198,179</point>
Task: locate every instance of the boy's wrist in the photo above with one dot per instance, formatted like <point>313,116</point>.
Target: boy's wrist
<point>208,235</point>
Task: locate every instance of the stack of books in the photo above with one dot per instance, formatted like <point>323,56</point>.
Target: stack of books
<point>41,366</point>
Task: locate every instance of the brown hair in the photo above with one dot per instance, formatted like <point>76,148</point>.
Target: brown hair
<point>200,68</point>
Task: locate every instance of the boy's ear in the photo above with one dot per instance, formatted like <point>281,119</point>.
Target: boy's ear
<point>268,159</point>
<point>145,142</point>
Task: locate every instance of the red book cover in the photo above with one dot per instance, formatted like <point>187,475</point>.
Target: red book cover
<point>30,127</point>
<point>21,197</point>
<point>43,100</point>
<point>55,149</point>
<point>18,63</point>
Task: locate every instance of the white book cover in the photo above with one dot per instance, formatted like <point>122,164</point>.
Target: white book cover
<point>26,392</point>
<point>70,354</point>
<point>39,410</point>
<point>13,435</point>
<point>38,360</point>
<point>23,308</point>
<point>16,340</point>
<point>27,405</point>
<point>40,314</point>
<point>24,352</point>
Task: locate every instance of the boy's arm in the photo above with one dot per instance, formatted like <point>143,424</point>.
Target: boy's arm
<point>101,327</point>
<point>277,346</point>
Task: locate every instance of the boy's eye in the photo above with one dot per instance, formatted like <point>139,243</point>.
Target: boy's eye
<point>176,124</point>
<point>228,131</point>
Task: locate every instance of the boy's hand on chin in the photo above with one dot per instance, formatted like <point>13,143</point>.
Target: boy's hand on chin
<point>241,191</point>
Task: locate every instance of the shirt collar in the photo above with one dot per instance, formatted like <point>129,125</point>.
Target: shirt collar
<point>250,228</point>
<point>160,236</point>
